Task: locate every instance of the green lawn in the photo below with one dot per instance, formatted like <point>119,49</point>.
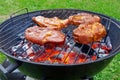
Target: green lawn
<point>107,7</point>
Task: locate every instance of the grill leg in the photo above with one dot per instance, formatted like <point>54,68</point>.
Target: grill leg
<point>6,63</point>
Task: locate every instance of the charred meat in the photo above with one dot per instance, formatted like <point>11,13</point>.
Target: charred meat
<point>41,36</point>
<point>54,23</point>
<point>83,18</point>
<point>87,33</point>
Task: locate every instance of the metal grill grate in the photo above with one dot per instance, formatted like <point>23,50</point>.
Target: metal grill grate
<point>20,49</point>
<point>17,46</point>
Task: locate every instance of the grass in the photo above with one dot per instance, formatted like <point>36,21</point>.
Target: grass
<point>107,7</point>
<point>111,72</point>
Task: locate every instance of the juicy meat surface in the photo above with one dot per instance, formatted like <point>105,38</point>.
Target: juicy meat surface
<point>41,36</point>
<point>83,18</point>
<point>87,33</point>
<point>54,23</point>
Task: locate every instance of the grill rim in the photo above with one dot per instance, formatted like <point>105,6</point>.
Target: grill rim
<point>117,50</point>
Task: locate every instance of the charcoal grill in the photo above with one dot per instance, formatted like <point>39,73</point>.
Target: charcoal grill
<point>12,34</point>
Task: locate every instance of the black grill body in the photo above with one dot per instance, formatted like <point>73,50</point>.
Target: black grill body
<point>11,28</point>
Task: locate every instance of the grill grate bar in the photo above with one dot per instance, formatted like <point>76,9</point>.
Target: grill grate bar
<point>38,53</point>
<point>16,28</point>
<point>107,23</point>
<point>34,51</point>
<point>23,52</point>
<point>64,15</point>
<point>25,19</point>
<point>108,26</point>
<point>36,47</point>
<point>78,54</point>
<point>13,45</point>
<point>49,54</point>
<point>62,49</point>
<point>44,14</point>
<point>14,35</point>
<point>69,38</point>
<point>22,41</point>
<point>89,51</point>
<point>68,53</point>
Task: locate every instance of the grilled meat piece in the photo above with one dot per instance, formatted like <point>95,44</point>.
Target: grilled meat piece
<point>54,23</point>
<point>42,36</point>
<point>83,18</point>
<point>87,33</point>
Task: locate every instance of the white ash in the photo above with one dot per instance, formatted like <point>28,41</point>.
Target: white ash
<point>71,43</point>
<point>58,48</point>
<point>14,48</point>
<point>46,62</point>
<point>68,50</point>
<point>60,56</point>
<point>99,50</point>
<point>25,47</point>
<point>31,57</point>
<point>102,55</point>
<point>20,57</point>
<point>29,51</point>
<point>107,42</point>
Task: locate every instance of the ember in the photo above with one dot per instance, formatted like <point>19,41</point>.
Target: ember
<point>57,55</point>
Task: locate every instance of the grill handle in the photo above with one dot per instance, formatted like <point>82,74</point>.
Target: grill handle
<point>16,13</point>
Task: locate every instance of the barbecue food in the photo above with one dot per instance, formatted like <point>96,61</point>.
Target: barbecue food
<point>54,23</point>
<point>87,33</point>
<point>41,36</point>
<point>83,18</point>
